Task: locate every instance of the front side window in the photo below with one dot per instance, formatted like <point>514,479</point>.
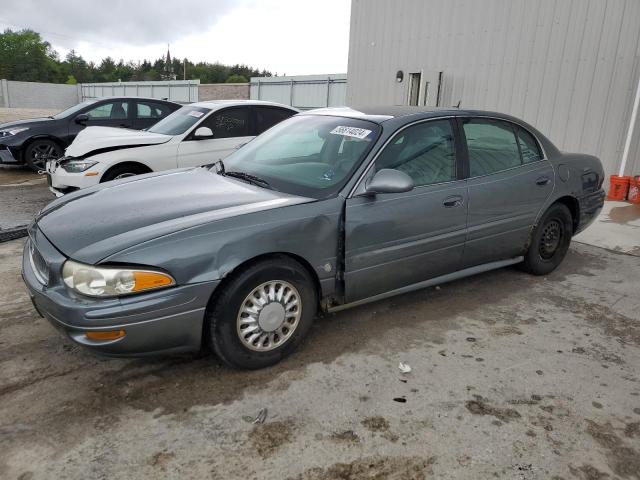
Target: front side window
<point>528,147</point>
<point>425,152</point>
<point>308,155</point>
<point>179,121</point>
<point>109,111</point>
<point>229,123</point>
<point>492,146</point>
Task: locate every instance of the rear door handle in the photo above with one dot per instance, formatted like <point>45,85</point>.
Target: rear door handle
<point>543,181</point>
<point>453,201</point>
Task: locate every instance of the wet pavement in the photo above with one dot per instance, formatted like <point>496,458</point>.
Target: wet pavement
<point>513,376</point>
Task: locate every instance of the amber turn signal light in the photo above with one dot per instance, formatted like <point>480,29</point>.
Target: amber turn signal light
<point>105,335</point>
<point>147,280</point>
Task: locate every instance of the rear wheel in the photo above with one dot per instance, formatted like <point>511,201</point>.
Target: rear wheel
<point>550,241</point>
<point>262,314</point>
<point>39,152</point>
<point>123,171</point>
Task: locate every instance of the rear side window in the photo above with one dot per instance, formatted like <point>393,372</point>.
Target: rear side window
<point>528,147</point>
<point>424,151</point>
<point>492,146</point>
<point>267,117</point>
<point>232,122</point>
<point>152,110</point>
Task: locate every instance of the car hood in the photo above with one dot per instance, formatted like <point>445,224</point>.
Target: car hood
<point>91,224</point>
<point>31,122</point>
<point>103,139</point>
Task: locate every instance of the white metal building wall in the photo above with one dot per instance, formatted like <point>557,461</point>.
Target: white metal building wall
<point>569,67</point>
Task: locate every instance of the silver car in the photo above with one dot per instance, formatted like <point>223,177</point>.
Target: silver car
<point>328,209</point>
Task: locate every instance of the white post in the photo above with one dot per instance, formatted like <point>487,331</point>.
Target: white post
<point>632,124</point>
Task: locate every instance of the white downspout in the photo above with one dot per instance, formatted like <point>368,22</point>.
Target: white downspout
<point>632,124</point>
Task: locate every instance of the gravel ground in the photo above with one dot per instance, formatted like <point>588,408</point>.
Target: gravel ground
<point>11,114</point>
<point>513,376</point>
<point>22,192</point>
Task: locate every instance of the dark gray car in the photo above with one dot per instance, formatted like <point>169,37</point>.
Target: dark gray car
<point>327,210</point>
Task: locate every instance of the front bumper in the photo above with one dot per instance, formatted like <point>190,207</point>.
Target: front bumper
<point>60,181</point>
<point>166,321</point>
<point>7,156</point>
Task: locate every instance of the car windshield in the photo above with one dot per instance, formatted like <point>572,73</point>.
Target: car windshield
<point>71,110</point>
<point>308,155</point>
<point>179,121</point>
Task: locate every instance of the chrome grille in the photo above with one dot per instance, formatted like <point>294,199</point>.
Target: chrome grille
<point>39,266</point>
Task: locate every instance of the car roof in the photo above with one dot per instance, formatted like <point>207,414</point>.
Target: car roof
<point>132,97</point>
<point>379,114</point>
<point>215,104</point>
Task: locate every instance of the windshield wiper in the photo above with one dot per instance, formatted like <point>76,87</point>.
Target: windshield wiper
<point>261,182</point>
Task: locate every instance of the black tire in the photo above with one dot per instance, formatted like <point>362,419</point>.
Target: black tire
<point>122,171</point>
<point>222,325</point>
<point>550,241</point>
<point>39,151</point>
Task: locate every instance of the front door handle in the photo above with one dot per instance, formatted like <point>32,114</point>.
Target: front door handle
<point>453,201</point>
<point>543,181</point>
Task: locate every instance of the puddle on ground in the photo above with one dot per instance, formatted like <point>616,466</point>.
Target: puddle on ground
<point>624,215</point>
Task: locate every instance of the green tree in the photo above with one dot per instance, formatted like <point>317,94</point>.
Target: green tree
<point>26,57</point>
<point>71,80</point>
<point>235,78</point>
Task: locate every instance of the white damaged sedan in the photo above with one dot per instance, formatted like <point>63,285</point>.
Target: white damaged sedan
<point>197,134</point>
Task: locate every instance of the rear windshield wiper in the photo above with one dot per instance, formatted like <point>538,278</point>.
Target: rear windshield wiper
<point>261,182</point>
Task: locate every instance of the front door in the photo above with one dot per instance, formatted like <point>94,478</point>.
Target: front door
<point>398,239</point>
<point>112,113</point>
<point>509,181</point>
<point>231,128</point>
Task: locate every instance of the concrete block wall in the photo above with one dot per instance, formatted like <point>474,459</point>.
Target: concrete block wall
<point>223,91</point>
<point>38,95</point>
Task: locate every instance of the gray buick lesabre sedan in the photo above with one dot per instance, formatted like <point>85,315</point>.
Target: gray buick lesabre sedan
<point>329,209</point>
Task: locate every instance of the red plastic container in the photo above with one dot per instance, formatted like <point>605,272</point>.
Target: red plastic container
<point>618,187</point>
<point>634,189</point>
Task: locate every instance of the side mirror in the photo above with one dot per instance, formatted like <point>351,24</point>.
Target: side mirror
<point>81,119</point>
<point>203,132</point>
<point>388,180</point>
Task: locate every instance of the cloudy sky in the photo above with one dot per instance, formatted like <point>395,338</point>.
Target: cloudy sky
<point>290,37</point>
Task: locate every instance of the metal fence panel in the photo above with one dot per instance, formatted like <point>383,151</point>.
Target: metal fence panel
<point>182,91</point>
<point>303,92</point>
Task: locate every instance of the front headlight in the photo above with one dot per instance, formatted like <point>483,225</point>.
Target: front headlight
<point>112,281</point>
<point>77,166</point>
<point>9,132</point>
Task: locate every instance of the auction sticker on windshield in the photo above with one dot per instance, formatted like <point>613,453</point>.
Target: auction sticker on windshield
<point>351,132</point>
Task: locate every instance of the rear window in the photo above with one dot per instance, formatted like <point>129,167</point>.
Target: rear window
<point>492,146</point>
<point>267,117</point>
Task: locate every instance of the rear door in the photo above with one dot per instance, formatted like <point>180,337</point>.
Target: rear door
<point>398,239</point>
<point>148,113</point>
<point>509,181</point>
<point>231,127</point>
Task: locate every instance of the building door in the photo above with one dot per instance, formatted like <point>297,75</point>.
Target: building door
<point>423,88</point>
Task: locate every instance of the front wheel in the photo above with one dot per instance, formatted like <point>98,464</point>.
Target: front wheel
<point>550,241</point>
<point>122,171</point>
<point>39,152</point>
<point>263,313</point>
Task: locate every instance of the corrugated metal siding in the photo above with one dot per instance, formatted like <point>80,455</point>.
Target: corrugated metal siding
<point>569,67</point>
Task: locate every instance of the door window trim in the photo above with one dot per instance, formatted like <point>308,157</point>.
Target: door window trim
<point>189,137</point>
<point>514,127</point>
<point>456,140</point>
